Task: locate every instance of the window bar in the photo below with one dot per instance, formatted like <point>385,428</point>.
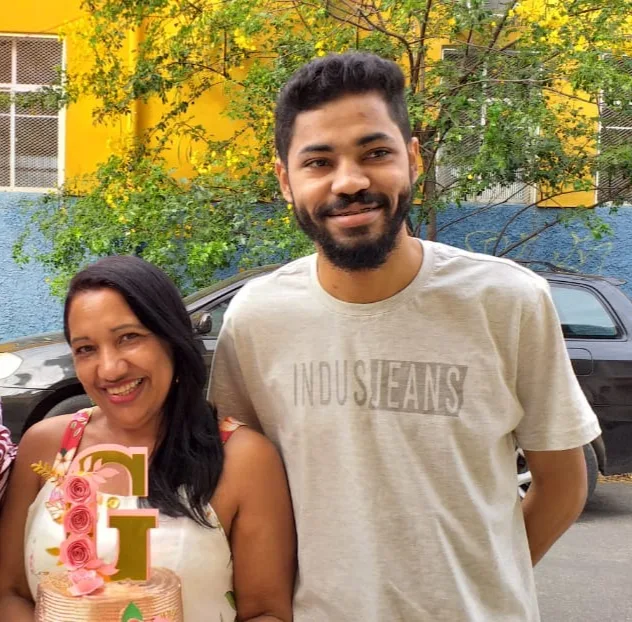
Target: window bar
<point>12,141</point>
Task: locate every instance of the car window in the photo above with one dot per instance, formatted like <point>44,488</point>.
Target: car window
<point>582,314</point>
<point>217,311</point>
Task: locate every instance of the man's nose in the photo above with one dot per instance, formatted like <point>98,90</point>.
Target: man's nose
<point>349,178</point>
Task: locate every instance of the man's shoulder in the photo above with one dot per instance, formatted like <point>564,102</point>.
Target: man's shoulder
<point>275,287</point>
<point>479,269</point>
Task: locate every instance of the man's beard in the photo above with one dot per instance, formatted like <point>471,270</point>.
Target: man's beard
<point>355,253</point>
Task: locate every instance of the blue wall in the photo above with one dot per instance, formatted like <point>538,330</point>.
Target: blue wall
<point>572,247</point>
<point>26,306</point>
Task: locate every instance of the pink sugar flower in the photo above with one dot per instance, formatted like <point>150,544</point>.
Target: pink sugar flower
<point>79,520</point>
<point>85,582</point>
<point>78,489</point>
<point>101,567</point>
<point>76,551</point>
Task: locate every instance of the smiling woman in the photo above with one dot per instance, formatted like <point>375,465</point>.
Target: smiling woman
<point>226,525</point>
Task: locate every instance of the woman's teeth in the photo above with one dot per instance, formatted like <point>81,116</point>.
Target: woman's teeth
<point>124,389</point>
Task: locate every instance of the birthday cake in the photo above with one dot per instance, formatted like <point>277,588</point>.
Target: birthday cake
<point>88,589</point>
<point>156,600</point>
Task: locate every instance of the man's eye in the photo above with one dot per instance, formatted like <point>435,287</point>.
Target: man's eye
<point>320,163</point>
<point>378,153</point>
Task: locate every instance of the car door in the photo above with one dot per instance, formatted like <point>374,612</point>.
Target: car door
<point>599,348</point>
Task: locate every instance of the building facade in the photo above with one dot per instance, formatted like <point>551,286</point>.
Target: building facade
<point>41,147</point>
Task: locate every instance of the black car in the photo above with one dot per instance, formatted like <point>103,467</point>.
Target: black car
<point>37,377</point>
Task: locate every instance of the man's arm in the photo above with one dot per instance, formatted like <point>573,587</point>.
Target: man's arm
<point>555,498</point>
<point>556,423</point>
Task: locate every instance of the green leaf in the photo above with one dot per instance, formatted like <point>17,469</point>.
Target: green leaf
<point>230,597</point>
<point>131,612</point>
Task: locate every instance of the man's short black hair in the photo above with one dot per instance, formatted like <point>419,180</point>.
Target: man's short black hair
<point>331,77</point>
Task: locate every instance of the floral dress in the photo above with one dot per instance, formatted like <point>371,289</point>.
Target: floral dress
<point>7,454</point>
<point>200,556</point>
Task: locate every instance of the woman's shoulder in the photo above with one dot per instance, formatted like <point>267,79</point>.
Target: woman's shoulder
<point>248,453</point>
<point>44,438</point>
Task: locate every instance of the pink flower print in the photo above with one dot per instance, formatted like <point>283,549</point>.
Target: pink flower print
<point>76,551</point>
<point>63,461</point>
<point>85,582</point>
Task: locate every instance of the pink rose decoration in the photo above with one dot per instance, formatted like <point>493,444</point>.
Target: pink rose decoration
<point>76,551</point>
<point>79,520</point>
<point>101,567</point>
<point>78,489</point>
<point>85,582</point>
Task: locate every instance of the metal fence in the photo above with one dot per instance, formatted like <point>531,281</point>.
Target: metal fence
<point>31,132</point>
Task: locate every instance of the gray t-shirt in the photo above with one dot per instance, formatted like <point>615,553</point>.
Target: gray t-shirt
<point>397,422</point>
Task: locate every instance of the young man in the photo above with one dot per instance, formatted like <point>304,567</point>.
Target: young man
<point>395,377</point>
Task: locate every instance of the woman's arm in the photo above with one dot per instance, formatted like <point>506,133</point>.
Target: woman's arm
<point>262,534</point>
<point>16,603</point>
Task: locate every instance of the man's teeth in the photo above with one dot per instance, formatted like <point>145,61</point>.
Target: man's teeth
<point>360,211</point>
<point>124,389</point>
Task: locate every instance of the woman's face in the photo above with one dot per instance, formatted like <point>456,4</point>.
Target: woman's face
<point>123,367</point>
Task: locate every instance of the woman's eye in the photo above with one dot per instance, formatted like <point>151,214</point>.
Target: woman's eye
<point>81,350</point>
<point>129,337</point>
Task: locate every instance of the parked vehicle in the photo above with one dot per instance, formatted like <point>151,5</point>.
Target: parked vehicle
<point>37,377</point>
<point>596,319</point>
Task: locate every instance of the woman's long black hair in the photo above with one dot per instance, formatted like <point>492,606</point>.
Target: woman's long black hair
<point>188,458</point>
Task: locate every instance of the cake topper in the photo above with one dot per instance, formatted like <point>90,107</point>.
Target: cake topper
<point>78,489</point>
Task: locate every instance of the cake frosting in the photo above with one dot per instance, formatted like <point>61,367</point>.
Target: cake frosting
<point>158,599</point>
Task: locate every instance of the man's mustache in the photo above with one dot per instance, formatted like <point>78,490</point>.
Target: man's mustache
<point>359,198</point>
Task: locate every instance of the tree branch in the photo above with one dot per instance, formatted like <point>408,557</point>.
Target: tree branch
<point>532,235</point>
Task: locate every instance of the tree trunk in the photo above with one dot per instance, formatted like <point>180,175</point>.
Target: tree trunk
<point>429,192</point>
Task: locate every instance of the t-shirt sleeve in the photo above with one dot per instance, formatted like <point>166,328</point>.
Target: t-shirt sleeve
<point>556,415</point>
<point>227,388</point>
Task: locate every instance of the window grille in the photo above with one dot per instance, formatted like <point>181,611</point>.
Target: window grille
<point>615,118</point>
<point>30,127</point>
<point>447,174</point>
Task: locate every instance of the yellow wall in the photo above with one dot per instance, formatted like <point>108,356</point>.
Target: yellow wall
<point>86,143</point>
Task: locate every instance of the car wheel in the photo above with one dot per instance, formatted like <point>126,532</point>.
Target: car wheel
<point>592,468</point>
<point>524,475</point>
<point>69,406</point>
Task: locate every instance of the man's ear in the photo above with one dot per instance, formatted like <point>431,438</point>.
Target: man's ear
<point>284,180</point>
<point>413,159</point>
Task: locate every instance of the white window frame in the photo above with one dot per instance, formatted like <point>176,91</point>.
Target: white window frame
<point>13,87</point>
<point>494,193</point>
<point>627,202</point>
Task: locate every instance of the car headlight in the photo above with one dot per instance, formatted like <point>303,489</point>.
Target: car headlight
<point>9,364</point>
